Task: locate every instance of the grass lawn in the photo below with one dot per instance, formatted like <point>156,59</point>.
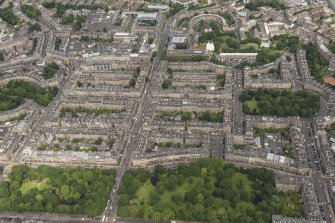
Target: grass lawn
<point>144,191</point>
<point>221,43</point>
<point>27,186</point>
<point>223,47</point>
<point>247,45</point>
<point>252,104</point>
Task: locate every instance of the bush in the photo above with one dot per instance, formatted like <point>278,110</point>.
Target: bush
<point>34,27</point>
<point>7,15</point>
<point>50,70</point>
<point>166,84</point>
<point>30,11</point>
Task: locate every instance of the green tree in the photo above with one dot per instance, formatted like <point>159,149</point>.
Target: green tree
<point>123,200</point>
<point>167,214</point>
<point>154,198</point>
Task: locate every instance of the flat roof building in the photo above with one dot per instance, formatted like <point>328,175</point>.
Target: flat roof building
<point>147,18</point>
<point>158,7</point>
<point>179,42</point>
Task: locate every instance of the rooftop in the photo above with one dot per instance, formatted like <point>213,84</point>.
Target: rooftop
<point>179,39</point>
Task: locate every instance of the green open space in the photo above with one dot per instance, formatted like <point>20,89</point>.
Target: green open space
<point>34,27</point>
<point>252,105</point>
<point>241,146</point>
<point>221,79</point>
<point>13,93</point>
<point>332,47</point>
<point>167,145</point>
<point>228,17</point>
<point>72,144</point>
<point>205,116</point>
<point>200,5</point>
<point>276,4</point>
<point>70,19</point>
<point>9,103</point>
<point>317,64</point>
<point>228,44</point>
<point>58,42</point>
<point>279,102</point>
<point>57,147</point>
<point>75,111</point>
<point>136,73</point>
<point>95,141</point>
<point>50,70</point>
<point>226,41</point>
<point>35,40</point>
<point>175,8</point>
<point>55,189</point>
<point>8,16</point>
<point>184,22</point>
<point>30,11</point>
<point>330,128</point>
<point>206,190</point>
<point>61,8</point>
<point>196,58</point>
<point>286,42</point>
<point>75,21</point>
<point>29,185</point>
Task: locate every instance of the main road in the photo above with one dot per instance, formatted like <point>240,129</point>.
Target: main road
<point>238,114</point>
<point>326,210</point>
<point>135,130</point>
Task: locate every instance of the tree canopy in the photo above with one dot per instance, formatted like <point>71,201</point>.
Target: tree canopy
<point>50,70</point>
<point>15,91</point>
<point>254,6</point>
<point>280,103</point>
<point>31,11</point>
<point>7,15</point>
<point>316,63</point>
<point>54,189</point>
<point>206,191</point>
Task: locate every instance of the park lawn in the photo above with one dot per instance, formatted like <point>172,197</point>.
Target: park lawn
<point>186,187</point>
<point>27,186</point>
<point>144,191</point>
<point>252,104</point>
<point>222,43</point>
<point>247,45</point>
<point>222,48</point>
